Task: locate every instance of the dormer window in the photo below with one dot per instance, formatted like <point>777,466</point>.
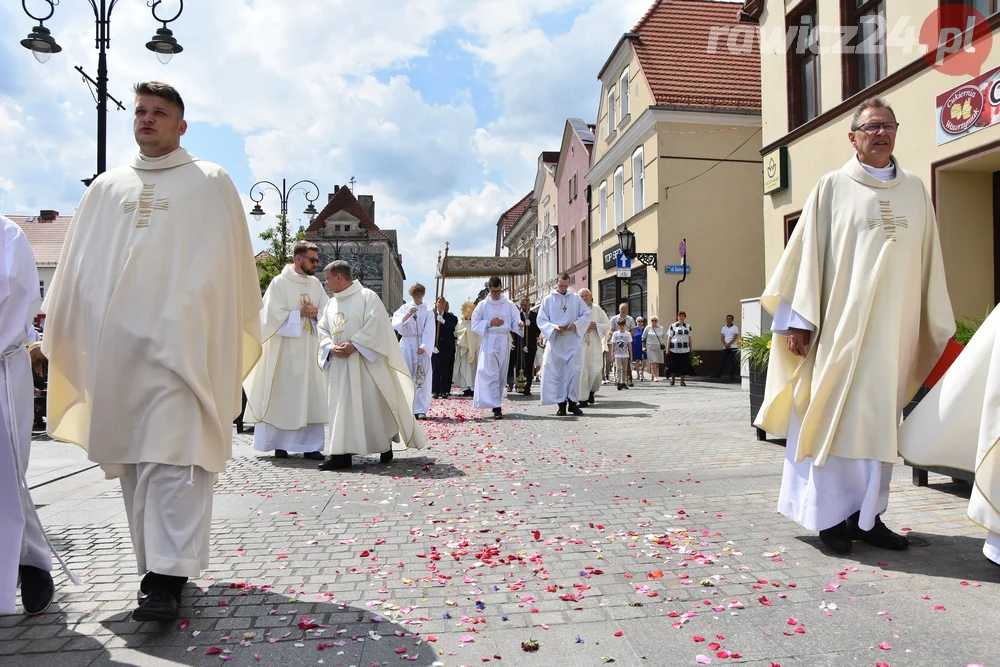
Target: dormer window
<point>336,228</point>
<point>611,111</point>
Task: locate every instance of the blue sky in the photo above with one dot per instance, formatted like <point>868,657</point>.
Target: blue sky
<point>438,108</point>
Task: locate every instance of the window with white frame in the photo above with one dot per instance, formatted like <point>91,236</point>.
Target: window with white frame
<point>637,181</point>
<point>602,205</point>
<point>619,196</point>
<point>611,111</point>
<point>623,94</point>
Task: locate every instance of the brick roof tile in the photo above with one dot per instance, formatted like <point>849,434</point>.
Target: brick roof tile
<point>344,200</point>
<point>46,238</point>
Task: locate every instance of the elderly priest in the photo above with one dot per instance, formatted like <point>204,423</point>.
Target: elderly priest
<point>564,320</point>
<point>592,366</point>
<point>153,321</point>
<point>370,390</point>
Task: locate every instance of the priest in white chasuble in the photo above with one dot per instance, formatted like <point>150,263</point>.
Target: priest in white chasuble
<point>370,391</point>
<point>286,391</point>
<point>496,318</point>
<point>957,425</point>
<point>563,319</point>
<point>153,322</point>
<point>25,553</point>
<point>415,322</point>
<point>466,351</point>
<point>592,366</point>
<point>861,316</point>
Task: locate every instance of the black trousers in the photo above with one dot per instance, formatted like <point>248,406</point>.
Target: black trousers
<point>443,364</point>
<point>728,355</point>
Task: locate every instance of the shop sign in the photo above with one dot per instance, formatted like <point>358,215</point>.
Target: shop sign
<point>776,170</point>
<point>611,256</point>
<point>969,108</point>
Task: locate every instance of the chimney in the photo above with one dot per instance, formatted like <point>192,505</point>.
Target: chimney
<point>368,204</point>
<point>47,215</point>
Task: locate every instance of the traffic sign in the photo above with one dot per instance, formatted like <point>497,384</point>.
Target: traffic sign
<point>624,265</point>
<point>682,248</point>
<point>624,273</point>
<point>678,268</point>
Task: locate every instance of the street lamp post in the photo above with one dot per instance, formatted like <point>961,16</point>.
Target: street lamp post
<point>257,195</point>
<point>42,45</point>
<point>626,242</point>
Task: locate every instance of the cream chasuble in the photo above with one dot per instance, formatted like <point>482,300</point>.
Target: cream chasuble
<point>370,392</point>
<point>864,267</point>
<point>466,354</point>
<point>494,351</point>
<point>562,362</point>
<point>592,369</point>
<point>286,391</point>
<point>153,317</point>
<point>958,425</point>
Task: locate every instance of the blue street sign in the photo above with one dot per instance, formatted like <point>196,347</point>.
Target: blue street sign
<point>679,268</point>
<point>624,262</point>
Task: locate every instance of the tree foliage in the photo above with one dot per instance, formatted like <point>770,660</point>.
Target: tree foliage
<point>271,264</point>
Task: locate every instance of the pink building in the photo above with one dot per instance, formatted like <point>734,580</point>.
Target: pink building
<point>573,206</point>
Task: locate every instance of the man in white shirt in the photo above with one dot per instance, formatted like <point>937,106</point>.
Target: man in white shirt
<point>629,329</point>
<point>730,339</point>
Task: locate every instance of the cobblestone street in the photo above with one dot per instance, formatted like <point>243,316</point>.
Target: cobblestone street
<point>642,534</point>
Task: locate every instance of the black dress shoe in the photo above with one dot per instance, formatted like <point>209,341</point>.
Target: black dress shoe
<point>159,606</point>
<point>879,536</point>
<point>314,456</point>
<point>280,454</point>
<point>497,413</point>
<point>37,589</point>
<point>561,412</point>
<point>385,457</point>
<point>837,538</point>
<point>338,462</point>
<point>468,392</point>
<point>591,399</point>
<point>574,408</point>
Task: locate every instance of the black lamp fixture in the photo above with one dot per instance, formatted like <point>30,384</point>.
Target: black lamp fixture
<point>626,242</point>
<point>311,191</point>
<point>41,43</point>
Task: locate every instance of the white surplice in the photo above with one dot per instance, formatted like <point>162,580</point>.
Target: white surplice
<point>286,390</point>
<point>494,351</point>
<point>563,358</point>
<point>370,392</point>
<point>417,333</point>
<point>466,354</point>
<point>24,541</point>
<point>152,325</point>
<point>957,425</point>
<point>592,366</point>
<point>863,272</point>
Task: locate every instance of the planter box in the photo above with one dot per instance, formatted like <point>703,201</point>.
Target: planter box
<point>920,474</point>
<point>758,378</point>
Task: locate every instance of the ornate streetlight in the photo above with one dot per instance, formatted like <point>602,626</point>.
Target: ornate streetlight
<point>257,195</point>
<point>42,45</point>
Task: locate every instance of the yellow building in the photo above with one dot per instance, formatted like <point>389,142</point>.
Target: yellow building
<point>676,157</point>
<point>949,133</point>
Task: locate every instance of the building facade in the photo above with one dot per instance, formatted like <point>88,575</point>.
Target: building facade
<point>547,235</point>
<point>949,133</point>
<point>573,209</point>
<point>46,233</point>
<point>516,229</point>
<point>675,157</point>
<point>346,229</point>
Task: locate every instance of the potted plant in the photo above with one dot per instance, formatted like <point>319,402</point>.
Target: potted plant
<point>756,349</point>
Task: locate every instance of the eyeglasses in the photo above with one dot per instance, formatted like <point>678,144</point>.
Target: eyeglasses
<point>873,128</point>
<point>314,260</point>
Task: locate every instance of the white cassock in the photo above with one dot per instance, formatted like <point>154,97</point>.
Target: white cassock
<point>24,541</point>
<point>286,391</point>
<point>153,322</point>
<point>370,392</point>
<point>417,333</point>
<point>563,358</point>
<point>592,366</point>
<point>466,354</point>
<point>957,425</point>
<point>494,351</point>
<point>863,271</point>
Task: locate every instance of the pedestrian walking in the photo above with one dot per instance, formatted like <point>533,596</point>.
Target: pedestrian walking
<point>653,342</point>
<point>621,343</point>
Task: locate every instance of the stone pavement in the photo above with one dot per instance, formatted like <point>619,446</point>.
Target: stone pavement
<point>641,534</point>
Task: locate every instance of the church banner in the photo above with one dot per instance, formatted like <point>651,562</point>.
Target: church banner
<point>969,108</point>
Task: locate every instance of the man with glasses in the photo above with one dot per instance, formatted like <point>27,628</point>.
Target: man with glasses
<point>861,316</point>
<point>286,390</point>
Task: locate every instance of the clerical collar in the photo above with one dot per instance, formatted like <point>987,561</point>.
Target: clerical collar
<point>146,158</point>
<point>884,174</point>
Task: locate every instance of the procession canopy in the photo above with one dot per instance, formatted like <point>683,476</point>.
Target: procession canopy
<point>454,266</point>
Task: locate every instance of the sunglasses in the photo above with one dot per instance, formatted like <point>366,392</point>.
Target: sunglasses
<point>314,260</point>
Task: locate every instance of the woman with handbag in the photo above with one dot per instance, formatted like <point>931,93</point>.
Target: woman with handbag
<point>653,345</point>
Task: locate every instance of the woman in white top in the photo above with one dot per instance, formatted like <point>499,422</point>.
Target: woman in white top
<point>654,343</point>
<point>679,347</point>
